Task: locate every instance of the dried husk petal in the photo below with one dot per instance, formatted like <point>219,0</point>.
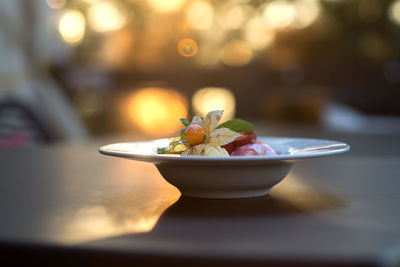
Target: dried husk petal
<point>177,145</point>
<point>222,136</point>
<point>211,120</point>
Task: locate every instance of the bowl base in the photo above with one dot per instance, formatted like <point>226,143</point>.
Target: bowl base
<point>226,194</point>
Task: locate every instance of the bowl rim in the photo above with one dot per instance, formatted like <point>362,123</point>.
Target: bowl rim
<point>321,148</point>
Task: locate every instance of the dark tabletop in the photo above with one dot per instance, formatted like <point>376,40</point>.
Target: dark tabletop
<point>69,204</point>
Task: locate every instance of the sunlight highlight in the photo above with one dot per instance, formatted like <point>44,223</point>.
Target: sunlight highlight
<point>213,98</point>
<point>394,12</point>
<point>200,15</point>
<point>234,16</point>
<point>166,5</point>
<point>257,35</point>
<point>72,26</point>
<point>279,14</point>
<point>306,13</point>
<point>156,110</point>
<point>105,16</point>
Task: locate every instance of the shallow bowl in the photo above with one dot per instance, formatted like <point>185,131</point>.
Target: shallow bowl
<point>227,177</point>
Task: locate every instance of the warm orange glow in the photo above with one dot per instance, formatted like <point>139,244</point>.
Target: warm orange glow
<point>200,15</point>
<point>156,111</point>
<point>213,98</point>
<point>236,54</point>
<point>187,47</point>
<point>56,4</point>
<point>166,5</point>
<point>105,16</point>
<point>72,26</point>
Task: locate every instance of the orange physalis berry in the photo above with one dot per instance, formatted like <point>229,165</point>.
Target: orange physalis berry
<point>194,134</point>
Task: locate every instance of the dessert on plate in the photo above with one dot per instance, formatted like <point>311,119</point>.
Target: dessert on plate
<point>207,137</point>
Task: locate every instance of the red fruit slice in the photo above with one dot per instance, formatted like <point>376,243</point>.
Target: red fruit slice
<point>229,147</point>
<point>254,149</point>
<point>244,139</point>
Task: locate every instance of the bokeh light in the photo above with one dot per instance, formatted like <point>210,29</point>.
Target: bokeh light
<point>213,98</point>
<point>306,13</point>
<point>233,17</point>
<point>156,111</point>
<point>105,16</point>
<point>214,34</point>
<point>187,47</point>
<point>166,5</point>
<point>394,12</point>
<point>200,15</point>
<point>236,53</point>
<point>56,4</point>
<point>279,14</point>
<point>72,26</point>
<point>257,35</point>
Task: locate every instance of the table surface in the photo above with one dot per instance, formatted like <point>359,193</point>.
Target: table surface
<point>70,200</point>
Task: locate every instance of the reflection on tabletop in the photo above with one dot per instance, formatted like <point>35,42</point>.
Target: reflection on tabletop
<point>133,212</point>
<point>141,212</point>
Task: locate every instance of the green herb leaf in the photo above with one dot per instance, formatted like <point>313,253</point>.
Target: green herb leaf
<point>238,125</point>
<point>184,122</point>
<point>182,131</point>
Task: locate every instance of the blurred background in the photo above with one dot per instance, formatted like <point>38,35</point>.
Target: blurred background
<point>76,69</point>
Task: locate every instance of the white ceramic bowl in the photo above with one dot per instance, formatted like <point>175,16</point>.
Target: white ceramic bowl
<point>227,177</point>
